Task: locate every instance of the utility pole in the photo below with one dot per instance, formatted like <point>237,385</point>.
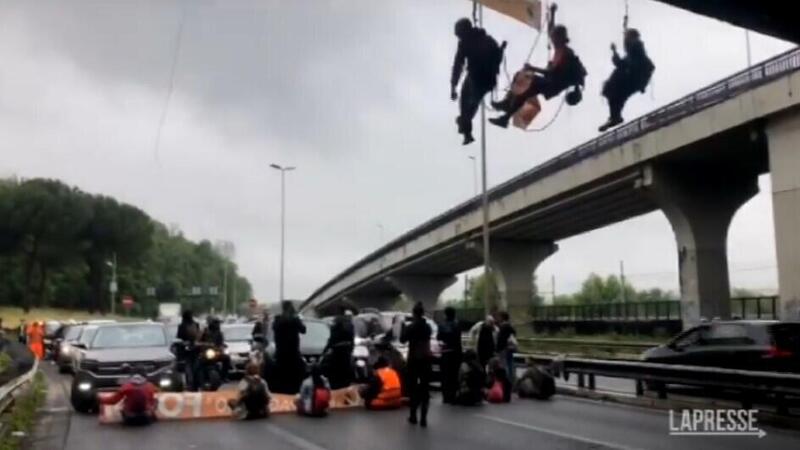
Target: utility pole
<point>485,196</point>
<point>225,289</point>
<point>283,171</point>
<point>622,279</point>
<point>553,287</point>
<point>474,174</point>
<point>112,288</point>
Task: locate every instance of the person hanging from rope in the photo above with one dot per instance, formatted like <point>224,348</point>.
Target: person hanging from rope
<point>632,73</point>
<point>483,57</point>
<point>563,71</point>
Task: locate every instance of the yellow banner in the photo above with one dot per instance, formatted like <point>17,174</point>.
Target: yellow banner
<point>528,12</point>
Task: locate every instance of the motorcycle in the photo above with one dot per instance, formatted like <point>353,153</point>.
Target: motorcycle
<point>210,369</point>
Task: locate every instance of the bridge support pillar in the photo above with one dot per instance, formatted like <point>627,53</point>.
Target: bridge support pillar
<point>700,206</point>
<point>514,263</point>
<point>423,288</point>
<point>784,158</point>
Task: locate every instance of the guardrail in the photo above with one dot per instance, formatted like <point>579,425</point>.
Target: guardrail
<point>9,390</point>
<point>754,386</point>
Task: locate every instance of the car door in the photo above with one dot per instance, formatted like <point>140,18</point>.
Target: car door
<point>730,345</point>
<point>688,348</point>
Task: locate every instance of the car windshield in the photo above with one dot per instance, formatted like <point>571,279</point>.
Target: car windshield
<point>237,333</point>
<point>51,327</point>
<point>126,336</point>
<point>172,330</point>
<point>72,333</point>
<point>317,334</point>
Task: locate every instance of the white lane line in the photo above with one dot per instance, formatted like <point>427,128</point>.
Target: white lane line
<point>293,439</point>
<point>557,433</point>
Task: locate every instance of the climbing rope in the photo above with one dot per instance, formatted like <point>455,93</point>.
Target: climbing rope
<point>171,87</point>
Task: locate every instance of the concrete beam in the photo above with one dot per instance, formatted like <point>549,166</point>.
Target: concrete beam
<point>514,262</point>
<point>382,303</point>
<point>700,206</point>
<point>783,137</point>
<point>423,288</point>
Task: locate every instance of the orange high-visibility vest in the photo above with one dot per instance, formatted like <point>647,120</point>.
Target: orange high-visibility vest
<point>390,396</point>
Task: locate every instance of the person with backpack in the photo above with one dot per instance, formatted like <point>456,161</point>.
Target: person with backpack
<point>563,71</point>
<point>535,382</point>
<point>254,396</point>
<point>483,57</point>
<point>631,74</point>
<point>471,380</point>
<point>383,390</point>
<point>138,397</point>
<point>498,383</point>
<point>315,394</point>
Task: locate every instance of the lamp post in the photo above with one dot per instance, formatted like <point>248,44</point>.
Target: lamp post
<point>474,173</point>
<point>283,171</point>
<point>112,287</point>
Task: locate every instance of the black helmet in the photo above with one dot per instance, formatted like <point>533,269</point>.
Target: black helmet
<point>463,26</point>
<point>574,96</point>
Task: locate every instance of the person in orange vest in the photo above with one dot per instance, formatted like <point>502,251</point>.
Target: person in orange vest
<point>36,339</point>
<point>383,391</point>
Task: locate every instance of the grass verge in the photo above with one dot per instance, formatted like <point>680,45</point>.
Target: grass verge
<point>12,315</point>
<point>19,422</point>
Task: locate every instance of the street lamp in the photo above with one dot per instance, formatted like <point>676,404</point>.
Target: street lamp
<point>283,171</point>
<point>474,173</point>
<point>112,287</point>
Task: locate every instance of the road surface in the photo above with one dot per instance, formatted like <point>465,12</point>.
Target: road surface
<point>563,423</point>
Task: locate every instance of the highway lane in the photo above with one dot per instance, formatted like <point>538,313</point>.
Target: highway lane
<point>563,423</point>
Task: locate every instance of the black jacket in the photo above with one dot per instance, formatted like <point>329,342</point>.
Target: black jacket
<point>287,330</point>
<point>342,333</point>
<point>418,336</point>
<point>450,335</point>
<point>482,56</point>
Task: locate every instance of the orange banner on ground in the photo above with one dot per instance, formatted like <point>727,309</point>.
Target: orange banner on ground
<point>211,405</point>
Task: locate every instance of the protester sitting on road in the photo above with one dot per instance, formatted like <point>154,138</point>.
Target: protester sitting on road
<point>253,401</point>
<point>315,394</point>
<point>138,398</point>
<point>498,383</point>
<point>383,390</point>
<point>536,382</point>
<point>471,379</point>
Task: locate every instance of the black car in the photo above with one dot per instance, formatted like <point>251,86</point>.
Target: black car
<point>105,352</point>
<point>742,344</point>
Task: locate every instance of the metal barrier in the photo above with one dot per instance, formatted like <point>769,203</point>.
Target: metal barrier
<point>754,386</point>
<point>9,390</point>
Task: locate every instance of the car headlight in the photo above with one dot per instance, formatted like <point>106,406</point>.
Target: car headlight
<point>84,386</point>
<point>165,383</point>
<point>65,349</point>
<point>211,353</point>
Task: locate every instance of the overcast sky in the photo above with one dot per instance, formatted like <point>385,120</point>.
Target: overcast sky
<point>352,92</point>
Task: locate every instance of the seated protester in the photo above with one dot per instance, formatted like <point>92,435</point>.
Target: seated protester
<point>562,71</point>
<point>254,396</point>
<point>536,383</point>
<point>631,74</point>
<point>383,390</point>
<point>315,394</point>
<point>498,383</point>
<point>471,379</point>
<point>138,398</point>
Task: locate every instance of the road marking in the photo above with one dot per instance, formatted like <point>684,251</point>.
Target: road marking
<point>557,433</point>
<point>293,439</point>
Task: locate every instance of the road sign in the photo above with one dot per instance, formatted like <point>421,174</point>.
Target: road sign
<point>112,287</point>
<point>127,302</point>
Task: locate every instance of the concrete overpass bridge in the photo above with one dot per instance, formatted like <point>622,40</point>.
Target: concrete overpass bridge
<point>697,159</point>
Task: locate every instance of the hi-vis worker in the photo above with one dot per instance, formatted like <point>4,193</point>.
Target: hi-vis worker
<point>36,339</point>
<point>383,390</point>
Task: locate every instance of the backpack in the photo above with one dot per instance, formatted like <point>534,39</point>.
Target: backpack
<point>575,71</point>
<point>255,400</point>
<point>495,394</point>
<point>322,400</point>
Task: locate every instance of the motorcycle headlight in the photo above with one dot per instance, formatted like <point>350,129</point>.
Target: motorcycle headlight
<point>85,386</point>
<point>165,383</point>
<point>211,353</point>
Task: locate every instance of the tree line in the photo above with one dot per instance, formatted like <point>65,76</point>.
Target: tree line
<point>57,244</point>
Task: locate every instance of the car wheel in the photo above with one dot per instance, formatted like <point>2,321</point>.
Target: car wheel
<point>63,369</point>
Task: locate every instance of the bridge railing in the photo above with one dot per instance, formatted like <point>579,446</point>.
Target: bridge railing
<point>706,97</point>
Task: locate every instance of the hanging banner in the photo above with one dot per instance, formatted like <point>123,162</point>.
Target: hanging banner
<point>528,12</point>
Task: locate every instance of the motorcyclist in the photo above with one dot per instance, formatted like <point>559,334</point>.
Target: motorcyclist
<point>188,333</point>
<point>340,344</point>
<point>212,336</point>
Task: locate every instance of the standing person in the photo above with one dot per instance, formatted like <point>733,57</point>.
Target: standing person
<point>36,339</point>
<point>483,57</point>
<point>485,344</point>
<point>188,333</point>
<point>290,366</point>
<point>418,336</point>
<point>450,337</point>
<point>315,394</point>
<point>253,401</point>
<point>22,332</point>
<point>631,74</point>
<point>340,344</point>
<point>138,397</point>
<point>506,343</point>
